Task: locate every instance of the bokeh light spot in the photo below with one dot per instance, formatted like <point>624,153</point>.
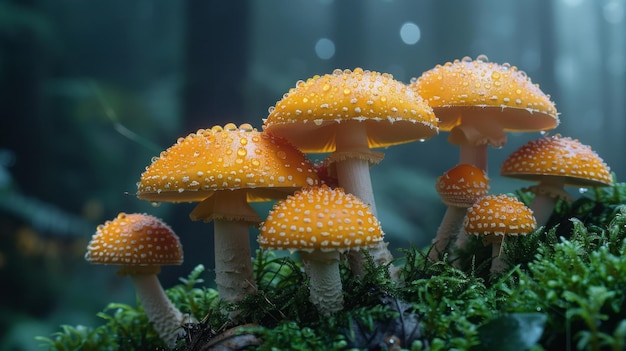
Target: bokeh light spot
<point>410,33</point>
<point>325,48</point>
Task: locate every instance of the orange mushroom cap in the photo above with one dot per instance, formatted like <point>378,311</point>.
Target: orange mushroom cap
<point>226,158</point>
<point>462,185</point>
<point>488,90</point>
<point>140,242</point>
<point>320,218</point>
<point>563,158</point>
<point>499,215</point>
<point>393,113</point>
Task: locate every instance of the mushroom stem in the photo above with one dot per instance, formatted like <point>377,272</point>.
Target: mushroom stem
<point>542,206</point>
<point>547,192</point>
<point>460,244</point>
<point>164,316</point>
<point>498,259</point>
<point>450,227</point>
<point>474,155</point>
<point>352,162</point>
<point>233,260</point>
<point>353,175</point>
<point>473,136</point>
<point>326,291</point>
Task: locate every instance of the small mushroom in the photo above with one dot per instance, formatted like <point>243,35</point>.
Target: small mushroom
<point>223,168</point>
<point>555,162</point>
<point>477,101</point>
<point>141,244</point>
<point>321,223</point>
<point>493,217</point>
<point>459,188</point>
<point>348,113</point>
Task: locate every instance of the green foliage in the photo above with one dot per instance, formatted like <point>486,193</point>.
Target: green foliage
<point>127,327</point>
<point>78,338</point>
<point>581,284</point>
<point>289,335</point>
<point>282,292</point>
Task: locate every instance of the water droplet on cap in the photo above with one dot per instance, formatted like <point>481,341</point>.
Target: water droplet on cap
<point>482,58</point>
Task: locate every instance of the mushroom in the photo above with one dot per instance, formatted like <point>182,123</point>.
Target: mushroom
<point>459,188</point>
<point>321,223</point>
<point>495,216</point>
<point>348,113</point>
<point>223,169</point>
<point>477,101</point>
<point>555,162</point>
<point>141,244</point>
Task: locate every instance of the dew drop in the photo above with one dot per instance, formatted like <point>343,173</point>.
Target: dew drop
<point>242,152</point>
<point>281,154</point>
<point>482,58</point>
<point>243,141</point>
<point>583,190</point>
<point>231,127</point>
<point>246,127</point>
<point>155,204</point>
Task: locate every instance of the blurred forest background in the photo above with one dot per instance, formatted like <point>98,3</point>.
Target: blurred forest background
<point>90,91</point>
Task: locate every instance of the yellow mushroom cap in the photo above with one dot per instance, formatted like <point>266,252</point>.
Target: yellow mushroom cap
<point>226,158</point>
<point>499,215</point>
<point>135,239</point>
<point>574,163</point>
<point>485,90</point>
<point>393,113</point>
<point>462,185</point>
<point>320,218</point>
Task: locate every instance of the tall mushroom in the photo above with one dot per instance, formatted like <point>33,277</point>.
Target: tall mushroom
<point>223,169</point>
<point>459,188</point>
<point>555,162</point>
<point>493,217</point>
<point>477,101</point>
<point>321,223</point>
<point>348,113</point>
<point>141,244</point>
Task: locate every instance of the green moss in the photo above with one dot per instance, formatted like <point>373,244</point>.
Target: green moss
<point>565,290</point>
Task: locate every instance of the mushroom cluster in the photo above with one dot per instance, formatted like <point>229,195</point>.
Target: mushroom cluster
<point>326,210</point>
